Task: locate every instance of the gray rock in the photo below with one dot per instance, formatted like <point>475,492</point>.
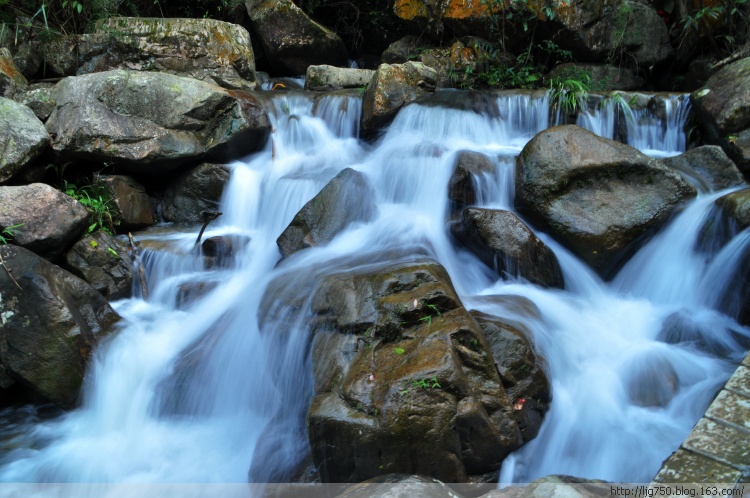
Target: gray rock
<point>461,190</point>
<point>152,122</point>
<point>710,165</point>
<point>723,108</point>
<point>599,197</point>
<point>346,199</point>
<point>39,99</point>
<point>195,191</point>
<point>206,49</point>
<point>22,138</point>
<point>102,261</point>
<point>50,327</point>
<point>129,199</point>
<point>49,220</point>
<point>392,87</point>
<point>504,243</point>
<point>291,40</point>
<point>325,78</point>
<point>737,206</point>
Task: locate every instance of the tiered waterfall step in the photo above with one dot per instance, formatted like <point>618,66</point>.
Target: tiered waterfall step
<point>718,448</point>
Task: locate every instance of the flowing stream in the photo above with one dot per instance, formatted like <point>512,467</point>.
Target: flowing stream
<point>198,391</point>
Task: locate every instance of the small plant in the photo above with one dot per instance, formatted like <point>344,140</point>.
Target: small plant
<point>428,318</point>
<point>568,91</point>
<point>95,198</point>
<point>8,233</point>
<point>431,383</point>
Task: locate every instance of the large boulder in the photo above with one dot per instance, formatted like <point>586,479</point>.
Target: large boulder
<point>194,192</point>
<point>49,326</point>
<point>49,220</point>
<point>325,78</point>
<point>102,261</point>
<point>152,122</point>
<point>392,87</point>
<point>621,29</point>
<point>597,196</point>
<point>12,81</point>
<point>504,243</point>
<point>206,49</point>
<point>404,379</point>
<point>129,201</point>
<point>346,199</point>
<point>709,166</point>
<point>291,40</point>
<point>22,137</point>
<point>723,108</point>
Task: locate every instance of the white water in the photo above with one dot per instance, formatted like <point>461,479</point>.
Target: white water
<point>644,130</point>
<point>204,394</point>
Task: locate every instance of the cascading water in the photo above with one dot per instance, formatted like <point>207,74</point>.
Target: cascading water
<point>216,390</point>
<point>658,134</point>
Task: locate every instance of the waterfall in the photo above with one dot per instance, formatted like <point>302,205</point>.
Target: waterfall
<point>215,389</point>
<point>658,134</point>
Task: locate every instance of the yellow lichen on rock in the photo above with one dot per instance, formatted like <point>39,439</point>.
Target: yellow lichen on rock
<point>409,9</point>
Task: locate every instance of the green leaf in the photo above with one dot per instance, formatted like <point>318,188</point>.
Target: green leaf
<point>93,243</point>
<point>113,252</point>
<point>399,350</point>
<point>91,227</point>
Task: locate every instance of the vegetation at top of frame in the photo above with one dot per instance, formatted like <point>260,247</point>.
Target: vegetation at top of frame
<point>366,26</point>
<point>724,24</point>
<point>75,16</point>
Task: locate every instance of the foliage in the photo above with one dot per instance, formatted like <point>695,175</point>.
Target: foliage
<point>8,233</point>
<point>47,19</point>
<point>725,24</point>
<point>569,89</point>
<point>364,25</point>
<point>95,198</point>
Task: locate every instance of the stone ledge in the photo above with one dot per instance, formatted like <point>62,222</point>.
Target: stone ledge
<point>687,467</point>
<point>739,383</point>
<point>720,442</point>
<point>732,409</point>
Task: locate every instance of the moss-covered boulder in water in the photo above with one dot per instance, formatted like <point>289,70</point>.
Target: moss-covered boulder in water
<point>404,379</point>
<point>597,196</point>
<point>346,199</point>
<point>504,243</point>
